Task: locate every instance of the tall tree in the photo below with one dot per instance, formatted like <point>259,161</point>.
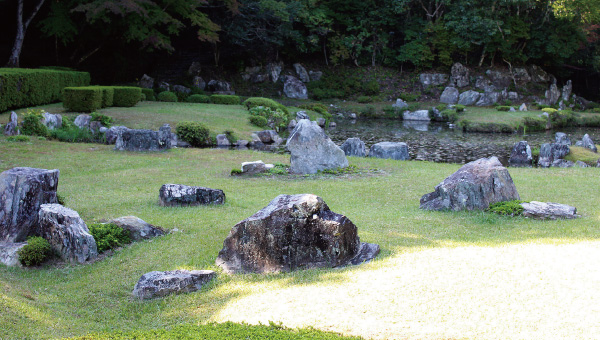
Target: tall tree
<point>22,26</point>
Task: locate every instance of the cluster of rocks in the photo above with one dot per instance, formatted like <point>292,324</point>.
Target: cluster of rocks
<point>551,154</point>
<point>29,207</point>
<point>387,150</point>
<point>51,121</point>
<point>493,86</point>
<point>215,86</point>
<point>481,183</point>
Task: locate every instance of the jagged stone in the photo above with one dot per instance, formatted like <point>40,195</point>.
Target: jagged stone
<point>315,75</point>
<point>459,75</point>
<point>550,211</point>
<point>219,86</point>
<point>292,124</point>
<point>354,147</point>
<point>488,99</point>
<point>302,115</point>
<point>67,233</point>
<point>321,122</point>
<point>11,128</point>
<point>500,79</point>
<point>475,185</point>
<point>181,89</point>
<point>164,85</point>
<point>274,70</point>
<point>138,228</point>
<point>523,107</point>
<point>158,284</point>
<point>390,150</point>
<point>22,192</point>
<point>469,98</point>
<point>182,195</point>
<point>538,75</point>
<point>223,141</point>
<point>143,140</point>
<point>587,142</point>
<point>301,72</point>
<point>567,90</point>
<point>450,95</point>
<point>562,163</point>
<point>293,232</point>
<point>551,152</point>
<point>521,155</point>
<point>52,121</point>
<point>146,82</point>
<point>521,75</point>
<point>83,121</point>
<point>112,133</point>
<point>562,138</point>
<point>552,95</point>
<point>294,88</point>
<point>312,151</point>
<point>433,79</point>
<point>400,104</point>
<point>9,253</point>
<point>194,69</point>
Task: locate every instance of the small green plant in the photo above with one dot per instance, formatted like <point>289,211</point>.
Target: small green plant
<point>277,119</point>
<point>167,96</point>
<point>549,110</point>
<point>231,137</point>
<point>195,133</point>
<point>317,107</point>
<point>364,99</point>
<point>459,108</point>
<point>103,119</point>
<point>236,172</point>
<point>509,208</point>
<point>503,108</point>
<point>109,236</point>
<point>18,139</point>
<point>72,134</point>
<point>442,107</point>
<point>449,115</point>
<point>60,199</point>
<point>198,98</point>
<point>32,124</point>
<point>259,121</point>
<point>225,99</point>
<point>35,252</point>
<point>351,169</point>
<point>410,97</point>
<point>279,169</point>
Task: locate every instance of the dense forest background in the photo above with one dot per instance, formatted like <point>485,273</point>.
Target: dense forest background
<point>119,40</point>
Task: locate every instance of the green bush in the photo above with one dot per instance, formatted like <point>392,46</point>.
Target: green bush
<point>317,107</point>
<point>275,118</point>
<point>108,95</point>
<point>259,121</point>
<point>195,133</point>
<point>73,134</point>
<point>441,107</point>
<point>549,110</point>
<point>561,118</point>
<point>225,99</point>
<point>371,88</point>
<point>449,115</point>
<point>410,97</point>
<point>104,119</point>
<point>260,101</point>
<point>35,252</point>
<point>149,93</point>
<point>21,87</point>
<point>503,108</point>
<point>167,96</point>
<point>459,108</point>
<point>198,98</point>
<point>364,99</point>
<point>32,124</point>
<point>510,208</point>
<point>368,112</point>
<point>82,99</point>
<point>126,96</point>
<point>534,123</point>
<point>109,236</point>
<point>18,139</point>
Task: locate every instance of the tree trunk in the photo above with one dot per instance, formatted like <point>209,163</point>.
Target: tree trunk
<point>15,53</point>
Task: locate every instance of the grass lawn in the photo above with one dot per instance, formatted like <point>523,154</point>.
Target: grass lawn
<point>440,275</point>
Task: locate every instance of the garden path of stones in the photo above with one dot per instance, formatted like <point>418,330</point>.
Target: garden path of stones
<point>292,232</point>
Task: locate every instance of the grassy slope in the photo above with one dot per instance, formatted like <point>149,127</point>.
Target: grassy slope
<point>439,275</point>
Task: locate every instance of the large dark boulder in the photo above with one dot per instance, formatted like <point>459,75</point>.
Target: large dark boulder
<point>390,150</point>
<point>159,284</point>
<point>469,98</point>
<point>521,155</point>
<point>293,232</point>
<point>22,192</point>
<point>143,140</point>
<point>294,88</point>
<point>354,147</point>
<point>475,185</point>
<point>183,195</point>
<point>67,233</point>
<point>312,151</point>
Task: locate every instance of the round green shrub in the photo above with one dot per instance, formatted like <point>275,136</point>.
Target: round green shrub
<point>32,124</point>
<point>109,236</point>
<point>459,108</point>
<point>225,99</point>
<point>167,96</point>
<point>195,133</point>
<point>18,139</point>
<point>260,101</point>
<point>35,252</point>
<point>149,93</point>
<point>104,119</point>
<point>259,121</point>
<point>126,96</point>
<point>198,98</point>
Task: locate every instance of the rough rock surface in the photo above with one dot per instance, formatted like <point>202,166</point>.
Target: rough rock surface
<point>551,211</point>
<point>581,164</point>
<point>144,140</point>
<point>113,132</point>
<point>255,167</point>
<point>183,195</point>
<point>292,124</point>
<point>450,95</point>
<point>552,95</point>
<point>552,152</point>
<point>417,115</point>
<point>302,115</point>
<point>158,284</point>
<point>268,136</point>
<point>223,141</point>
<point>181,89</point>
<point>312,151</point>
<point>138,228</point>
<point>315,75</point>
<point>390,150</point>
<point>9,253</point>
<point>146,82</point>
<point>400,104</point>
<point>587,142</point>
<point>354,147</point>
<point>274,70</point>
<point>22,192</point>
<point>52,121</point>
<point>83,121</point>
<point>475,185</point>
<point>67,233</point>
<point>321,122</point>
<point>219,86</point>
<point>469,98</point>
<point>562,138</point>
<point>562,163</point>
<point>294,88</point>
<point>11,127</point>
<point>199,82</point>
<point>459,75</point>
<point>293,232</point>
<point>433,79</point>
<point>523,107</point>
<point>488,99</point>
<point>521,155</point>
<point>301,72</point>
<point>567,90</point>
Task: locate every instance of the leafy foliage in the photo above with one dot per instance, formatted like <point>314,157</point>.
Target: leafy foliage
<point>18,139</point>
<point>104,119</point>
<point>167,96</point>
<point>510,208</point>
<point>277,119</point>
<point>35,252</point>
<point>195,133</point>
<point>32,124</point>
<point>109,236</point>
<point>225,99</point>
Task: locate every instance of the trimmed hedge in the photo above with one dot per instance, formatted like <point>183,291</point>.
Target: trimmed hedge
<point>149,94</point>
<point>30,87</point>
<point>225,99</point>
<point>167,96</point>
<point>195,133</point>
<point>82,99</point>
<point>126,96</point>
<point>198,98</point>
<point>108,95</point>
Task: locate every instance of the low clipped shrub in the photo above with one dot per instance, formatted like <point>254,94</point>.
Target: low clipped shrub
<point>108,95</point>
<point>18,139</point>
<point>561,118</point>
<point>126,96</point>
<point>225,99</point>
<point>260,101</point>
<point>449,115</point>
<point>410,97</point>
<point>73,134</point>
<point>509,208</point>
<point>109,236</point>
<point>317,107</point>
<point>82,99</point>
<point>535,123</point>
<point>277,119</point>
<point>35,252</point>
<point>549,110</point>
<point>32,124</point>
<point>442,107</point>
<point>259,121</point>
<point>195,133</point>
<point>167,96</point>
<point>503,108</point>
<point>368,111</point>
<point>149,93</point>
<point>198,98</point>
<point>364,99</point>
<point>104,119</point>
<point>459,108</point>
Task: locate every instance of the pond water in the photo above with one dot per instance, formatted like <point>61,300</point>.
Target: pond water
<point>437,142</point>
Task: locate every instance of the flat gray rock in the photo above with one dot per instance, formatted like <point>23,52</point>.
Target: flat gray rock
<point>421,115</point>
<point>9,253</point>
<point>450,95</point>
<point>143,140</point>
<point>549,211</point>
<point>390,150</point>
<point>138,228</point>
<point>183,195</point>
<point>158,284</point>
<point>354,147</point>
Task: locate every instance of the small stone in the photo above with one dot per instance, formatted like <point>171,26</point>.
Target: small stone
<point>581,164</point>
<point>562,163</point>
<point>523,107</point>
<point>11,127</point>
<point>255,167</point>
<point>302,115</point>
<point>521,155</point>
<point>158,284</point>
<point>400,104</point>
